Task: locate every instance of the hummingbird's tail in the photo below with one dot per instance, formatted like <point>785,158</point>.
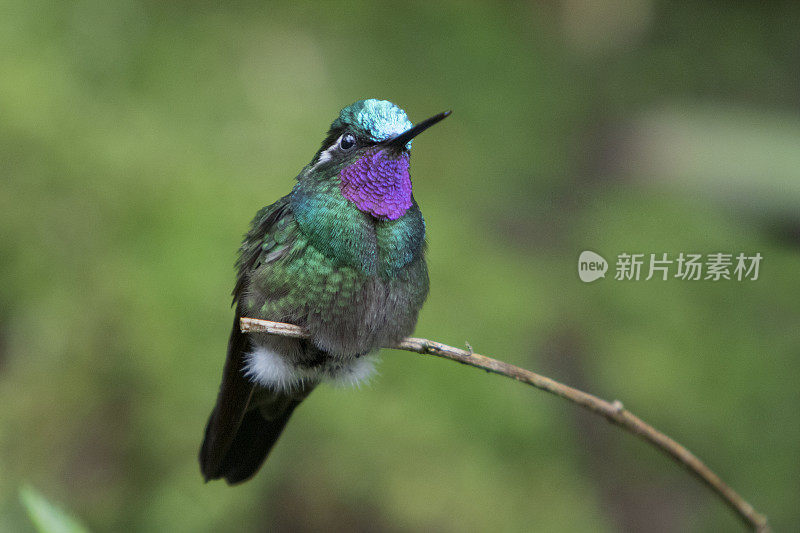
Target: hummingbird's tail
<point>257,434</point>
<point>247,419</point>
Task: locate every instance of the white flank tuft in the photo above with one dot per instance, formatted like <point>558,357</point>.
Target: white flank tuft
<point>359,372</point>
<point>270,370</point>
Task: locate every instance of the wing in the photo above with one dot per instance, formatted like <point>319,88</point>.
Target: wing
<point>238,437</point>
<point>264,243</point>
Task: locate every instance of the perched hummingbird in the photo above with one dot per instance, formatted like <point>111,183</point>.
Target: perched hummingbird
<point>342,255</point>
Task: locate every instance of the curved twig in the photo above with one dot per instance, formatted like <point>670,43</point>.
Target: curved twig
<point>614,412</point>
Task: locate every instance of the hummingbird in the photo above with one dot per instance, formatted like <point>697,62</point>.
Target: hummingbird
<point>343,256</point>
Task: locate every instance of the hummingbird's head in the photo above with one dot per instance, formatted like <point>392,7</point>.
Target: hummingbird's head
<point>367,149</point>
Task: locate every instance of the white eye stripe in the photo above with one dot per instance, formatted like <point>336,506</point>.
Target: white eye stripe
<point>327,154</point>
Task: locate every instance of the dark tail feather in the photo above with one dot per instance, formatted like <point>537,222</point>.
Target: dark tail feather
<point>253,442</point>
<point>233,402</point>
<point>257,434</point>
<point>247,419</point>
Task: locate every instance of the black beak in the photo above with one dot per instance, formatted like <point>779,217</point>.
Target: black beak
<point>399,143</point>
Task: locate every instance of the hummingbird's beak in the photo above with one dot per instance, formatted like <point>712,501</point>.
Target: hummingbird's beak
<point>399,143</point>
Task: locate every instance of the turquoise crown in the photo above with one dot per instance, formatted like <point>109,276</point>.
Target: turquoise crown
<point>378,120</point>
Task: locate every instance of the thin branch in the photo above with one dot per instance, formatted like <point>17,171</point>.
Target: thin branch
<point>614,412</point>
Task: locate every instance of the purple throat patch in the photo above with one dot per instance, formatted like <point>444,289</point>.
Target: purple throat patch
<point>378,184</point>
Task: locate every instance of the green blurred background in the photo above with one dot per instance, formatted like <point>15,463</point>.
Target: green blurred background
<point>137,140</point>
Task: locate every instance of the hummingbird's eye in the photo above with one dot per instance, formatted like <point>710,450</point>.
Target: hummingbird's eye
<point>348,141</point>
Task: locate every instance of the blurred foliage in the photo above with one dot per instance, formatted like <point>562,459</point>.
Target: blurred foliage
<point>138,138</point>
<point>45,516</point>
